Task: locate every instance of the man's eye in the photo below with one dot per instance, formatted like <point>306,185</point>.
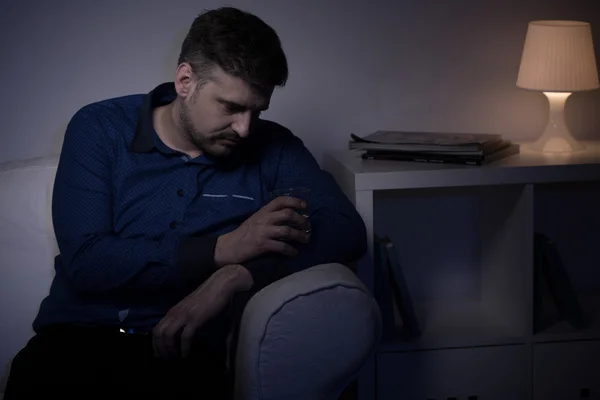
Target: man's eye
<point>231,109</point>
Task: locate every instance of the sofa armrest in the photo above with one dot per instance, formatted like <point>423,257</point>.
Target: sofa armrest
<point>306,336</point>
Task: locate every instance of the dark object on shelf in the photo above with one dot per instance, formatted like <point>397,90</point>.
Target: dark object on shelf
<point>383,289</point>
<point>545,313</point>
<point>391,287</point>
<point>550,270</point>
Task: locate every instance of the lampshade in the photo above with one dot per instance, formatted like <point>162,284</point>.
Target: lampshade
<point>558,56</point>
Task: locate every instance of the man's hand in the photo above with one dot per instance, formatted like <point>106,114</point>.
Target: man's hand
<point>268,230</point>
<point>174,333</point>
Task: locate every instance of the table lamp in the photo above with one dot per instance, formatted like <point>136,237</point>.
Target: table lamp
<point>558,59</point>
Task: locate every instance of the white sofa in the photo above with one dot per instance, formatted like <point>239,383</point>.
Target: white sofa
<point>313,330</point>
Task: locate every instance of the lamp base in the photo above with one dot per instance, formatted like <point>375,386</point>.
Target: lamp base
<point>556,137</point>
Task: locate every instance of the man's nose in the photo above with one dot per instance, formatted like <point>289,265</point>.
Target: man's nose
<point>241,126</point>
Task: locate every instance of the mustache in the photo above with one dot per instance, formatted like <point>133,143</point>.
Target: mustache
<point>229,136</point>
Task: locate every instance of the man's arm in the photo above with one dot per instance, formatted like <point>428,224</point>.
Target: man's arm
<point>94,258</point>
<point>185,318</point>
<point>338,232</point>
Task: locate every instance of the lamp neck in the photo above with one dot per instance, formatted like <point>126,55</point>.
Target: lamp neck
<point>557,100</point>
<point>557,137</point>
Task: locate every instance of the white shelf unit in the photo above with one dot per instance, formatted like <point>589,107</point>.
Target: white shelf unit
<point>473,288</point>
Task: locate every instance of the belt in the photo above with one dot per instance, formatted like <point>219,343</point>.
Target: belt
<point>70,328</point>
<point>131,331</point>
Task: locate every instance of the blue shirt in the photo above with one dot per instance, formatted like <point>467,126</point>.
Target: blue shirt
<point>136,222</point>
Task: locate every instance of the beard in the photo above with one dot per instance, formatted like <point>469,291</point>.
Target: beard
<point>192,134</point>
<point>206,143</point>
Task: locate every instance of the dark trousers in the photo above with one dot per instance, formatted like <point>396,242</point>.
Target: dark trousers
<point>80,362</point>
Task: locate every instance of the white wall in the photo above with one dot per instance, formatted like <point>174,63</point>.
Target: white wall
<point>356,66</point>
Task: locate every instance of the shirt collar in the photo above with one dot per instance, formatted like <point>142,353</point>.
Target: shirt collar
<point>143,141</point>
<point>146,139</point>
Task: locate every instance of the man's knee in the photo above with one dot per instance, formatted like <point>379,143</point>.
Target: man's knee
<point>21,361</point>
<point>19,374</point>
<point>30,365</point>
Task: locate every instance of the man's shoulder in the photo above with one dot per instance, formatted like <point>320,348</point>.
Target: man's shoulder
<point>112,109</point>
<point>114,119</point>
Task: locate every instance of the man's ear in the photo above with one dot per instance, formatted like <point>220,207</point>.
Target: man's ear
<point>185,80</point>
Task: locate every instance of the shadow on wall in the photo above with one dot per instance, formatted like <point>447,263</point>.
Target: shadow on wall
<point>168,70</point>
<point>173,54</point>
<point>57,139</point>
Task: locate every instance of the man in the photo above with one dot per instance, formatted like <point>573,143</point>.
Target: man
<point>163,216</point>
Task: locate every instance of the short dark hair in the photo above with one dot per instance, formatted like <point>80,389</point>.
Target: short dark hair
<point>238,42</point>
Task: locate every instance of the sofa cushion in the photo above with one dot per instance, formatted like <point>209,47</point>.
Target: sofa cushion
<point>27,250</point>
<point>306,336</point>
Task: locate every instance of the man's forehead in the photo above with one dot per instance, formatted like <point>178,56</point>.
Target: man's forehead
<point>235,90</point>
<point>249,98</point>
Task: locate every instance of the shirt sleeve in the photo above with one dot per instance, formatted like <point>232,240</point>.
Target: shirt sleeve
<point>92,256</point>
<point>338,232</point>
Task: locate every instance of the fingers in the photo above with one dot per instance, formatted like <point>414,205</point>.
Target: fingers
<point>277,246</point>
<point>165,337</point>
<point>285,202</point>
<point>287,233</point>
<point>187,336</point>
<point>278,236</point>
<point>290,217</point>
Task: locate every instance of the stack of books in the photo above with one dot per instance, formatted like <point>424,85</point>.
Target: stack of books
<point>457,148</point>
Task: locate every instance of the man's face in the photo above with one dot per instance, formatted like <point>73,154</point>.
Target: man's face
<point>219,114</point>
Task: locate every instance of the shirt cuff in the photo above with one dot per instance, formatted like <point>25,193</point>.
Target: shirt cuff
<point>266,270</point>
<point>195,258</point>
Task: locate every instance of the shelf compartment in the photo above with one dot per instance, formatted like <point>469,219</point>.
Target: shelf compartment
<point>559,330</point>
<point>491,373</point>
<point>454,324</point>
<point>465,254</point>
<point>569,215</point>
<point>566,370</point>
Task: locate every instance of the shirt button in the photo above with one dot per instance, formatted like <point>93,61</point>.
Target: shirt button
<point>173,225</point>
<point>180,192</point>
